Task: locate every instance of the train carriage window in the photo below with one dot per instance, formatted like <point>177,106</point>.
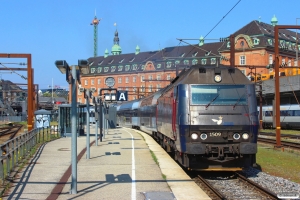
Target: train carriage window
<point>219,94</point>
<point>296,112</point>
<point>268,113</point>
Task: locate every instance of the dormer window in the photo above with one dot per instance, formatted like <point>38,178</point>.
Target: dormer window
<point>113,68</point>
<point>256,41</point>
<point>207,53</point>
<point>228,44</point>
<point>121,60</point>
<point>134,67</point>
<point>169,64</point>
<point>213,61</point>
<point>120,67</point>
<point>270,41</point>
<point>99,63</point>
<point>195,54</point>
<point>132,59</point>
<point>111,61</point>
<point>106,69</point>
<point>182,55</point>
<point>91,63</point>
<point>285,35</point>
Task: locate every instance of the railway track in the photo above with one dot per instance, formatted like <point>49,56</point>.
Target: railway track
<point>9,132</point>
<point>235,186</point>
<point>293,145</point>
<point>281,135</point>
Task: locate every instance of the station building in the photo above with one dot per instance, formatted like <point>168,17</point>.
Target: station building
<point>141,73</point>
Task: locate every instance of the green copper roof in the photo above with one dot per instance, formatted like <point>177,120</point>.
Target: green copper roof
<point>116,49</point>
<point>201,40</point>
<point>106,53</point>
<point>137,49</point>
<point>274,21</point>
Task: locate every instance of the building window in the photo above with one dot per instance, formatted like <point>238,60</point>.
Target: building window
<point>256,41</point>
<point>126,88</point>
<point>134,79</point>
<point>99,81</point>
<point>134,89</point>
<point>295,63</point>
<point>194,62</point>
<point>271,59</point>
<point>169,64</point>
<point>126,80</point>
<point>85,82</point>
<point>150,77</point>
<point>158,77</point>
<point>119,80</point>
<point>158,87</point>
<point>134,98</point>
<point>168,76</point>
<point>142,88</point>
<point>242,60</point>
<point>203,61</point>
<point>79,93</point>
<point>289,62</point>
<point>92,82</point>
<point>142,78</point>
<point>243,71</point>
<point>186,62</point>
<point>79,100</point>
<point>283,61</point>
<point>150,88</point>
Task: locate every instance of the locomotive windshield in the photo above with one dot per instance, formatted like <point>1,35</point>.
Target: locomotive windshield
<point>218,95</point>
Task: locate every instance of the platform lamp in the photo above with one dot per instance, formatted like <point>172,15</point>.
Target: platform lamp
<point>72,76</point>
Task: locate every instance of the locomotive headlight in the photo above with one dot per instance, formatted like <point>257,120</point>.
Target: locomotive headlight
<point>203,136</point>
<point>194,136</point>
<point>245,136</point>
<point>236,136</point>
<point>218,78</point>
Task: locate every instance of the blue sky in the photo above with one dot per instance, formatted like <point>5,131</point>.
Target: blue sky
<point>60,29</point>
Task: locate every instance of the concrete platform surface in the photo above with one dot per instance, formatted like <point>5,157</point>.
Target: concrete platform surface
<point>119,167</point>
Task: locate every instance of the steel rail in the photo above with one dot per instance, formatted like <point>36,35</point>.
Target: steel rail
<point>261,189</point>
<point>209,189</point>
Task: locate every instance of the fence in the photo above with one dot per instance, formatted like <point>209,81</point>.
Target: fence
<point>13,118</point>
<point>15,151</point>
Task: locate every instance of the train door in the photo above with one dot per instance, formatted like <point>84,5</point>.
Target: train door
<point>174,112</point>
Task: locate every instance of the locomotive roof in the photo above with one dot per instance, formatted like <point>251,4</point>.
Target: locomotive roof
<point>199,74</point>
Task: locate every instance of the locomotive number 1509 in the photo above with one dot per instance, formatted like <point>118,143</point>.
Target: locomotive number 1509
<point>215,134</point>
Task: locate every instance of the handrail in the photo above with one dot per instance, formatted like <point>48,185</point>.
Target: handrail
<point>15,151</point>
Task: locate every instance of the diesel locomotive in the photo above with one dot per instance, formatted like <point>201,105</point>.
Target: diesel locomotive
<point>207,118</point>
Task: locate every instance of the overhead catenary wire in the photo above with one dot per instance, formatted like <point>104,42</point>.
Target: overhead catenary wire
<point>222,18</point>
<point>210,30</point>
<point>13,71</point>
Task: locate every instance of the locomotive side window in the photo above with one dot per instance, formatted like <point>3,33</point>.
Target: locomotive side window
<point>218,94</point>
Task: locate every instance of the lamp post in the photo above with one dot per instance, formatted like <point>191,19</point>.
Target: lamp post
<point>71,78</point>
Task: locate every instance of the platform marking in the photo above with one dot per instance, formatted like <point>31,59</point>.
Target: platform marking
<point>133,186</point>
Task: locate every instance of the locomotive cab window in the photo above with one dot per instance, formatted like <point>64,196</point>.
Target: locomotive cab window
<point>218,95</point>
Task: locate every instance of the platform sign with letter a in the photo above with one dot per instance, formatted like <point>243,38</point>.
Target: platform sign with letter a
<point>122,95</point>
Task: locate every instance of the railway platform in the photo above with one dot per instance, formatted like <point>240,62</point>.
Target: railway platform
<point>119,167</point>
